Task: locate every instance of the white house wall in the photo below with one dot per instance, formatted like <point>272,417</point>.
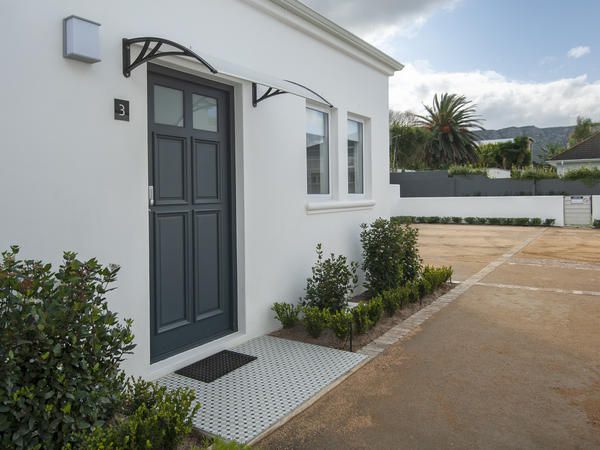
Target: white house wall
<point>72,178</point>
<point>544,207</point>
<point>567,166</point>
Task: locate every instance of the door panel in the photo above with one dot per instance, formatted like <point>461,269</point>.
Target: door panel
<point>192,226</point>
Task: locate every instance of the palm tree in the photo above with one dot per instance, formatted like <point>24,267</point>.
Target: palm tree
<point>452,121</point>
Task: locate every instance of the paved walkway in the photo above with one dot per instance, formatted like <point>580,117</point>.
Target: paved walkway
<point>511,359</point>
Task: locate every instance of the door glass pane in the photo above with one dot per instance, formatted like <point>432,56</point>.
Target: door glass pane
<point>317,152</point>
<point>204,112</point>
<point>168,106</point>
<point>355,157</point>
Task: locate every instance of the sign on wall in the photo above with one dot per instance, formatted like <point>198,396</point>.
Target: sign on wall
<point>121,109</point>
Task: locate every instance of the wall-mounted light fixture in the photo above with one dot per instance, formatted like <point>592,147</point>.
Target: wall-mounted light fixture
<point>81,39</point>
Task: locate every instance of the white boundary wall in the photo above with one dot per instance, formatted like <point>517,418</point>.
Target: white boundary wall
<point>544,207</point>
<point>596,207</point>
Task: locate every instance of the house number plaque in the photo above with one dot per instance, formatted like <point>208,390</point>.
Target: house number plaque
<point>121,109</point>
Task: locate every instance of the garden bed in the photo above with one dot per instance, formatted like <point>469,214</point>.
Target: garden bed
<point>328,339</point>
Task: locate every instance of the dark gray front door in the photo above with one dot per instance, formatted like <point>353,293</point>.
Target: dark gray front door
<point>192,273</point>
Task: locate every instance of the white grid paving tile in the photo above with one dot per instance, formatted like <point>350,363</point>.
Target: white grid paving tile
<point>242,404</point>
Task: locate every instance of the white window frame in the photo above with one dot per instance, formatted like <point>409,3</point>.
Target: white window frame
<point>330,150</point>
<point>359,195</point>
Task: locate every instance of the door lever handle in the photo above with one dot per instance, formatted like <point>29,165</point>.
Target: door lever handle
<point>151,195</point>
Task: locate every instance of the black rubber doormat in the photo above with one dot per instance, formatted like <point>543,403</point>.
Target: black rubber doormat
<point>209,369</point>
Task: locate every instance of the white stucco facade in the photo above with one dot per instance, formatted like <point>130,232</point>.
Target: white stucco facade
<point>564,166</point>
<point>73,178</point>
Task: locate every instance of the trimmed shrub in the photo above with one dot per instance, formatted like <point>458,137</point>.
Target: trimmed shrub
<point>391,301</point>
<point>470,220</point>
<point>332,282</point>
<point>315,320</point>
<point>286,313</point>
<point>437,276</point>
<point>596,222</point>
<point>432,219</point>
<point>445,219</point>
<point>423,287</point>
<point>375,309</point>
<point>420,219</point>
<point>341,322</point>
<point>535,222</point>
<point>60,351</point>
<point>390,255</point>
<point>466,170</point>
<point>586,174</point>
<point>457,220</point>
<point>151,418</point>
<point>534,173</point>
<point>480,220</point>
<point>494,221</point>
<point>403,219</point>
<point>520,221</point>
<point>360,317</point>
<point>549,222</point>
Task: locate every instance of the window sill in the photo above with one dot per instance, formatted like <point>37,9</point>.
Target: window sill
<point>324,207</point>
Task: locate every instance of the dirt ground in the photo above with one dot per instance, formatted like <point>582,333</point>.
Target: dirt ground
<point>514,362</point>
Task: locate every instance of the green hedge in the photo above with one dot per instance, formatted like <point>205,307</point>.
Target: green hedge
<point>519,221</point>
<point>597,223</point>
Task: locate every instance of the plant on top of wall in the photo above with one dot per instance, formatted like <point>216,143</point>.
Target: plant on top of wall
<point>332,282</point>
<point>589,175</point>
<point>466,170</point>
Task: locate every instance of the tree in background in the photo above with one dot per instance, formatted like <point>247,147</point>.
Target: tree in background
<point>451,121</point>
<point>583,130</point>
<point>549,151</point>
<point>407,141</point>
<point>506,155</point>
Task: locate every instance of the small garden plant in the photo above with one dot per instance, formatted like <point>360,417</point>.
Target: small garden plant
<point>332,282</point>
<point>286,313</point>
<point>315,320</point>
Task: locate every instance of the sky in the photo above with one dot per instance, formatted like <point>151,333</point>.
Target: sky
<point>526,62</point>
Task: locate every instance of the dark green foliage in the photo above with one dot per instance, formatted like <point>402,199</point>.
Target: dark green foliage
<point>286,313</point>
<point>451,121</point>
<point>457,220</point>
<point>60,350</point>
<point>470,220</point>
<point>220,444</point>
<point>505,155</point>
<point>423,287</point>
<point>494,221</point>
<point>375,309</point>
<point>407,142</point>
<point>403,219</point>
<point>596,223</point>
<point>315,320</point>
<point>445,219</point>
<point>584,129</point>
<point>520,221</point>
<point>151,418</point>
<point>432,219</point>
<point>481,220</point>
<point>332,282</point>
<point>391,301</point>
<point>340,322</point>
<point>360,316</point>
<point>390,254</point>
<point>535,222</point>
<point>549,222</point>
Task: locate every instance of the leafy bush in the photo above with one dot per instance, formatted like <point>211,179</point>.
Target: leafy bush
<point>549,222</point>
<point>494,221</point>
<point>60,350</point>
<point>534,173</point>
<point>316,320</point>
<point>151,418</point>
<point>521,221</point>
<point>470,220</point>
<point>432,219</point>
<point>466,170</point>
<point>445,219</point>
<point>457,219</point>
<point>360,316</point>
<point>341,322</point>
<point>589,175</point>
<point>286,313</point>
<point>332,282</point>
<point>375,309</point>
<point>535,222</point>
<point>481,220</point>
<point>220,444</point>
<point>437,276</point>
<point>390,255</point>
<point>391,301</point>
<point>596,223</point>
<point>423,287</point>
<point>403,219</point>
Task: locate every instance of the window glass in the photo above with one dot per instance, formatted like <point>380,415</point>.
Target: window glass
<point>355,157</point>
<point>317,151</point>
<point>168,106</point>
<point>204,116</point>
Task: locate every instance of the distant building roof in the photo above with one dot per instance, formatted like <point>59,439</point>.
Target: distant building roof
<point>588,149</point>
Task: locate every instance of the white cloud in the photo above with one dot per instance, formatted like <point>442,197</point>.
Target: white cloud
<point>501,101</point>
<point>378,21</point>
<point>578,52</point>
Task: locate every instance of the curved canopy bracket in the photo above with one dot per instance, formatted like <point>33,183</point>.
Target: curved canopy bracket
<point>151,50</point>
